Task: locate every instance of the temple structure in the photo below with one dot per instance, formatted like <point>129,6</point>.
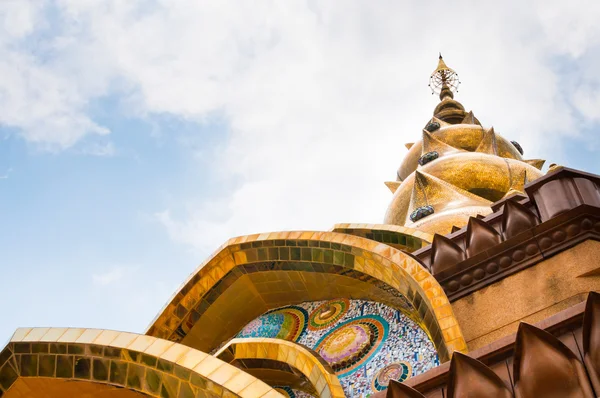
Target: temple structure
<point>479,283</point>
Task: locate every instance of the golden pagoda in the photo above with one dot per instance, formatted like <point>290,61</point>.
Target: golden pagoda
<point>479,283</point>
<point>458,168</point>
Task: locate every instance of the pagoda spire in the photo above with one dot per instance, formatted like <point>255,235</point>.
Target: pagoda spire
<point>444,81</point>
<point>457,169</point>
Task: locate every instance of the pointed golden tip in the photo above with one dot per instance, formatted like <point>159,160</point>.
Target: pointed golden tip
<point>431,191</point>
<point>409,145</point>
<point>392,185</point>
<point>470,119</point>
<point>488,143</point>
<point>431,144</point>
<point>443,80</point>
<point>537,163</point>
<point>442,67</point>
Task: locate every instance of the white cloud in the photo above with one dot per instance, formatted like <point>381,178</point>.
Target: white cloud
<point>20,17</point>
<point>319,97</point>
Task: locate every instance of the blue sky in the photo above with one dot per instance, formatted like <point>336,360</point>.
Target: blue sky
<point>137,136</point>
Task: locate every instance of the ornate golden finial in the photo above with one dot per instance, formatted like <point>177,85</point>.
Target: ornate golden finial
<point>444,80</point>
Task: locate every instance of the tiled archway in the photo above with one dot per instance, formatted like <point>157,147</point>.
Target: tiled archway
<point>316,370</point>
<point>259,272</point>
<point>95,361</point>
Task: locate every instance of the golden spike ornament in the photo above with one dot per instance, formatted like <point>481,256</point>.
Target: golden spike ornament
<point>392,185</point>
<point>431,144</point>
<point>488,143</point>
<point>537,163</point>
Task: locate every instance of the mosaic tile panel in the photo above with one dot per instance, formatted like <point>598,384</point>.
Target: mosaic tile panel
<point>366,343</point>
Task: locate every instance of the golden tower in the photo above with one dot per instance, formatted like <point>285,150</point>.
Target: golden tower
<point>458,168</point>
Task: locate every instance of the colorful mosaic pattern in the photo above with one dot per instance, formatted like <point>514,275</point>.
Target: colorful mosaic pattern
<point>328,313</point>
<point>399,371</point>
<point>396,347</point>
<point>285,323</point>
<point>348,346</point>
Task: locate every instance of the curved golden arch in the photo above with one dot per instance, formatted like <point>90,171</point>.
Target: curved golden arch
<point>315,368</point>
<point>413,238</point>
<point>350,253</point>
<point>139,363</point>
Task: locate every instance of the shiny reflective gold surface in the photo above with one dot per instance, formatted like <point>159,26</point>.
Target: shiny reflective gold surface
<point>273,377</point>
<point>312,366</point>
<point>401,238</point>
<point>253,294</point>
<point>430,190</point>
<point>486,176</point>
<point>453,205</point>
<point>36,387</point>
<point>443,223</point>
<point>461,137</point>
<point>66,362</point>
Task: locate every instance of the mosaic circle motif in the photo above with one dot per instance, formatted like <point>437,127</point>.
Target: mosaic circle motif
<point>353,343</point>
<point>346,344</point>
<point>327,314</point>
<point>287,323</point>
<point>399,371</point>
